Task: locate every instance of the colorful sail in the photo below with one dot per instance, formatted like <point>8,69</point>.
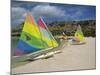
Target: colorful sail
<point>30,39</point>
<point>78,34</point>
<point>46,35</point>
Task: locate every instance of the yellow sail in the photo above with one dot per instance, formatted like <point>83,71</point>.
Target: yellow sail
<point>78,34</point>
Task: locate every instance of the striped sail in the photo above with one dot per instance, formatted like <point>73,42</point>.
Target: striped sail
<point>46,35</point>
<point>78,34</point>
<point>30,39</point>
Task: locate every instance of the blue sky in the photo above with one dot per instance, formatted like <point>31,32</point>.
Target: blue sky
<point>51,12</point>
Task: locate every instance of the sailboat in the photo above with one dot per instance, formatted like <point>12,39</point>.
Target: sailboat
<point>35,40</point>
<point>78,36</point>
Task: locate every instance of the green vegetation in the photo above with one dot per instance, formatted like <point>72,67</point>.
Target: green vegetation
<point>88,28</point>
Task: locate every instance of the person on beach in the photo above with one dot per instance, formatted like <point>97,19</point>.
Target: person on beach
<point>63,36</point>
<point>63,39</point>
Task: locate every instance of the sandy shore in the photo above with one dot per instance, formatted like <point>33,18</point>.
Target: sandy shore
<point>73,57</point>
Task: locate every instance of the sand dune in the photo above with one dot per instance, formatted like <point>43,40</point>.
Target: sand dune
<point>73,57</point>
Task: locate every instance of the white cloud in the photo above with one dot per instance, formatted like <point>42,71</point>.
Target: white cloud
<point>17,15</point>
<point>18,12</point>
<point>79,13</point>
<point>47,10</point>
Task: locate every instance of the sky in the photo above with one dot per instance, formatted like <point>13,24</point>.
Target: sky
<point>50,12</point>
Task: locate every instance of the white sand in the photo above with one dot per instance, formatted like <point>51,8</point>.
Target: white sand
<point>74,57</point>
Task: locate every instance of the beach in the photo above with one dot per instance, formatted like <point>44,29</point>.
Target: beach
<point>72,57</point>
